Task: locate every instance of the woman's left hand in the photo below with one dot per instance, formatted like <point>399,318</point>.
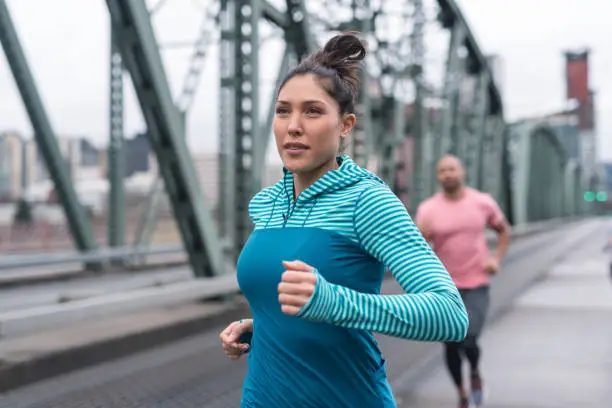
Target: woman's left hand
<point>297,285</point>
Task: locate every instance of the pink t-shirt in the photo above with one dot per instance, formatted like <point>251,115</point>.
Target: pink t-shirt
<point>457,231</point>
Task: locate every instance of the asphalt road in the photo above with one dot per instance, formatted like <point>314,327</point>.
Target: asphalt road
<point>194,372</point>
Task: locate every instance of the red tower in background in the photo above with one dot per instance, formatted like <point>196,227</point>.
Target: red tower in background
<point>577,85</point>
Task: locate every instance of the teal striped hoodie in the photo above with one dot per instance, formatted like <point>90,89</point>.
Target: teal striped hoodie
<point>351,227</point>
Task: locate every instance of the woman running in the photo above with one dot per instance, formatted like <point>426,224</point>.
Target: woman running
<point>313,267</point>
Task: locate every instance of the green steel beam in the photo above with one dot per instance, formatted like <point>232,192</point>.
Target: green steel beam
<point>452,14</point>
<point>227,126</point>
<point>78,223</point>
<point>240,122</point>
<point>261,147</point>
<point>361,142</point>
<point>398,135</point>
<point>272,14</point>
<point>519,149</point>
<point>507,191</point>
<point>362,133</point>
<point>485,154</point>
<point>498,128</point>
<point>418,122</point>
<point>116,150</point>
<point>537,172</point>
<point>139,50</point>
<point>243,138</point>
<point>446,140</point>
<point>535,178</point>
<point>474,154</point>
<point>147,222</point>
<point>418,133</point>
<point>297,31</point>
<point>247,109</point>
<point>391,135</point>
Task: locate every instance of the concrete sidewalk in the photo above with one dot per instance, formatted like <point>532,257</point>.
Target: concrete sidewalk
<point>554,347</point>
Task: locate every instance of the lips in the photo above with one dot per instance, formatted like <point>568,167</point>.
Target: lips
<point>295,146</point>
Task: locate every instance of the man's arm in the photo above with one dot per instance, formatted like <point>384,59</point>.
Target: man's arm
<point>503,230</point>
<point>496,221</point>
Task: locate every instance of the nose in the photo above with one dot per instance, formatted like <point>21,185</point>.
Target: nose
<point>294,127</point>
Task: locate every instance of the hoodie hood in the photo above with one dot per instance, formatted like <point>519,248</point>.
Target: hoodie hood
<point>276,204</point>
<point>348,173</point>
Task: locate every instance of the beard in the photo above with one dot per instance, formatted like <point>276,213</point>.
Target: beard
<point>451,186</point>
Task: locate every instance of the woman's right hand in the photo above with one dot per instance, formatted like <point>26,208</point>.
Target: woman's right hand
<point>230,338</point>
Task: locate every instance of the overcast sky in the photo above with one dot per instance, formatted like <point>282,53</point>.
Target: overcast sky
<point>66,42</point>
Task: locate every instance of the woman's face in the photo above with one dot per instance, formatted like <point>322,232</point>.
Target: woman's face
<point>307,125</point>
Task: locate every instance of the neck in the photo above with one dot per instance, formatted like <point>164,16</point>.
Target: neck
<point>455,194</point>
<point>301,181</point>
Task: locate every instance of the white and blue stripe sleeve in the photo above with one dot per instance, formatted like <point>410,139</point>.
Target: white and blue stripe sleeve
<point>430,310</point>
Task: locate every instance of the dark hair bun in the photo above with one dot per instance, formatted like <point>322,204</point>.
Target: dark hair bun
<point>343,53</point>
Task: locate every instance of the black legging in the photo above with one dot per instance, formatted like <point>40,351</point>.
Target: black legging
<point>454,360</point>
<point>476,302</point>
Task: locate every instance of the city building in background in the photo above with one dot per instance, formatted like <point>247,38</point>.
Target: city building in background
<point>23,174</point>
<point>11,166</point>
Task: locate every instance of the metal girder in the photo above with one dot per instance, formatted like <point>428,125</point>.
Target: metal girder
<point>538,172</point>
<point>141,57</point>
<point>492,155</point>
<point>147,222</point>
<point>520,153</point>
<point>240,124</point>
<point>454,15</point>
<point>197,60</point>
<point>296,32</point>
<point>447,137</point>
<point>116,150</point>
<point>539,181</point>
<point>419,117</point>
<point>272,14</point>
<point>75,214</point>
<point>261,147</point>
<point>243,139</point>
<point>506,192</point>
<point>391,135</point>
<point>573,198</point>
<point>474,152</point>
<point>364,129</point>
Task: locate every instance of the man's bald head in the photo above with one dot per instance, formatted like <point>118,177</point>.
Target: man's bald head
<point>450,160</point>
<point>450,173</point>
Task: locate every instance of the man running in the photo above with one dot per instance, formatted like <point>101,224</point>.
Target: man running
<point>454,221</point>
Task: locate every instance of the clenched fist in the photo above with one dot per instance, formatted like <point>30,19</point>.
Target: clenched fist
<point>492,266</point>
<point>296,287</point>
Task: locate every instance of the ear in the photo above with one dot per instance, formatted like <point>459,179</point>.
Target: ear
<point>348,122</point>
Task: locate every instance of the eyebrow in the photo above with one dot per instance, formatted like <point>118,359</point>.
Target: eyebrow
<point>308,102</point>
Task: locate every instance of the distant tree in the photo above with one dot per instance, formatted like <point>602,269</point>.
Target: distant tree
<point>23,213</point>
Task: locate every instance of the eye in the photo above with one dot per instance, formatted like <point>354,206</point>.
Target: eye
<point>313,111</point>
<point>280,110</point>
